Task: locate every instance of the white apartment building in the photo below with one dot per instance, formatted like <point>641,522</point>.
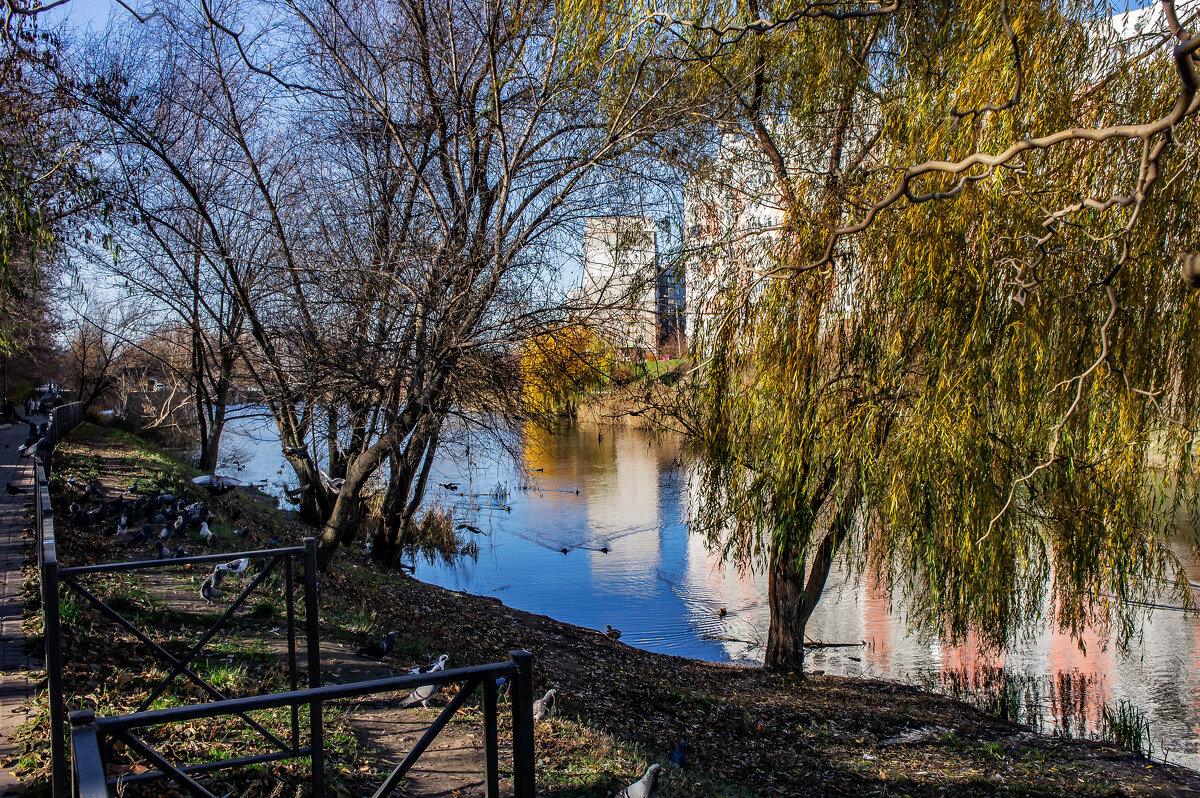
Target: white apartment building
<point>620,282</point>
<point>732,216</point>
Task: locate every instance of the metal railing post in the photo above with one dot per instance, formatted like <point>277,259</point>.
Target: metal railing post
<point>316,729</point>
<point>522,722</point>
<point>88,778</point>
<point>51,620</point>
<point>293,667</point>
<point>491,740</point>
<point>52,637</point>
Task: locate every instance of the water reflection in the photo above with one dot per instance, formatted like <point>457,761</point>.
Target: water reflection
<point>625,491</point>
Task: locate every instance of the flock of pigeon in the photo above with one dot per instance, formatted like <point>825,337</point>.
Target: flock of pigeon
<point>422,695</point>
<point>543,709</point>
<point>139,515</point>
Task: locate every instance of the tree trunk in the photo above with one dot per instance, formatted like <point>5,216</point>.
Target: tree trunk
<point>402,500</point>
<point>210,446</point>
<point>785,635</point>
<point>792,604</point>
<point>334,531</point>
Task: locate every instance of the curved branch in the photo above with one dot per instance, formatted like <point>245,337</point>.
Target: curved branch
<point>1013,101</point>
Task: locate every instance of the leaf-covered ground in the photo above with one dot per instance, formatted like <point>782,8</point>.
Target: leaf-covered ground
<point>750,733</point>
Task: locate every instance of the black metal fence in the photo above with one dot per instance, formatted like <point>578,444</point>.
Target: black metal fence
<point>62,420</point>
<point>91,738</point>
<point>266,562</point>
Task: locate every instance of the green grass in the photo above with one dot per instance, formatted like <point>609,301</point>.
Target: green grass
<point>994,750</point>
<point>654,369</point>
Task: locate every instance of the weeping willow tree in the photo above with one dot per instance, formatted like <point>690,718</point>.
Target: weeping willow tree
<point>945,338</point>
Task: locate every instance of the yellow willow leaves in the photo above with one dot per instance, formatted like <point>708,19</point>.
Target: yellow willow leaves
<point>993,446</point>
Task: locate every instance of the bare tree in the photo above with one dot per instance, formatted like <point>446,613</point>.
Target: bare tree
<point>184,217</point>
<point>96,339</point>
<point>411,175</point>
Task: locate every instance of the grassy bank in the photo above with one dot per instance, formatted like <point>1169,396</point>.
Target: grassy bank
<point>750,733</point>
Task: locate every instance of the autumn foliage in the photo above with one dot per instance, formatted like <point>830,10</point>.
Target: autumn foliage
<point>560,366</point>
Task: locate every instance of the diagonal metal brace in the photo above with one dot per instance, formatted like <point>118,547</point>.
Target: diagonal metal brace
<point>180,666</point>
<point>198,680</point>
<point>175,774</point>
<point>204,638</point>
<point>427,738</point>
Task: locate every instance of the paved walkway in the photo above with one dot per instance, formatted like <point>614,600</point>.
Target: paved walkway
<point>16,517</point>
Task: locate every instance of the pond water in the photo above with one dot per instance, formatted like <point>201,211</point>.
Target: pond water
<point>626,491</point>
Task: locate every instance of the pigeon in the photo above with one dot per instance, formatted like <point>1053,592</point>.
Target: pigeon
<point>235,567</point>
<point>380,648</point>
<point>426,691</point>
<point>679,754</point>
<point>209,591</point>
<point>218,485</point>
<point>131,538</point>
<point>422,695</point>
<point>161,552</point>
<point>436,665</point>
<point>502,685</point>
<point>15,490</point>
<point>28,451</point>
<point>165,533</point>
<point>206,534</point>
<point>645,787</point>
<point>180,552</point>
<point>543,708</point>
<point>615,634</point>
<point>76,514</point>
<point>242,533</point>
